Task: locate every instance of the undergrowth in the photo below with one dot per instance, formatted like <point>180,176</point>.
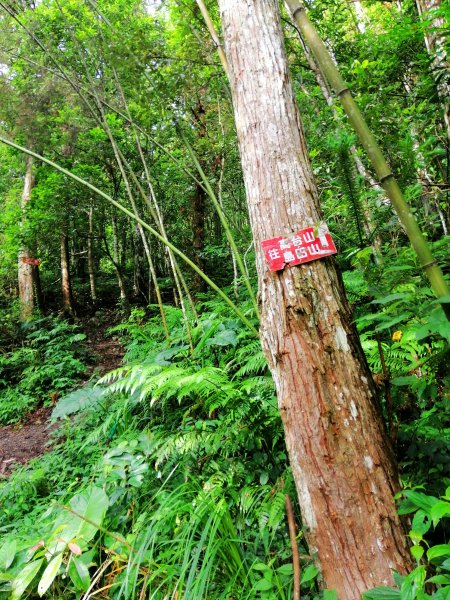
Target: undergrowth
<point>42,359</point>
<point>177,481</point>
<point>169,475</point>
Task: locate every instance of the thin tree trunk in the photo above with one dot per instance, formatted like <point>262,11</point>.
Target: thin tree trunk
<point>91,260</point>
<point>38,288</point>
<point>120,159</point>
<point>25,269</point>
<point>341,459</point>
<point>66,287</point>
<point>199,206</point>
<point>424,177</point>
<point>435,42</point>
<point>155,213</point>
<point>213,33</point>
<point>360,16</point>
<point>116,261</point>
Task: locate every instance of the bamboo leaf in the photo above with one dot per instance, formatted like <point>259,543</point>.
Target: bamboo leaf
<point>7,554</point>
<point>51,571</point>
<point>79,574</point>
<point>24,578</point>
<point>382,593</point>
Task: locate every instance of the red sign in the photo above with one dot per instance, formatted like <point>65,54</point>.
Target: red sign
<point>31,261</point>
<point>305,245</point>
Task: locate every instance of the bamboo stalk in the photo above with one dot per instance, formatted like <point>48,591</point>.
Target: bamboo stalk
<point>213,34</point>
<point>117,155</point>
<point>154,210</point>
<point>373,150</point>
<point>223,220</point>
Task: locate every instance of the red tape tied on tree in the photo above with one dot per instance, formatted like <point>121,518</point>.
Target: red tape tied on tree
<point>31,261</point>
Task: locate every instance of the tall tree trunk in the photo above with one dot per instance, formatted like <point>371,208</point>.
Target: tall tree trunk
<point>66,286</point>
<point>340,455</point>
<point>25,269</point>
<point>435,42</point>
<point>360,16</point>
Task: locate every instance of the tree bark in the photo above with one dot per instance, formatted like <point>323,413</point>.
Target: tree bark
<point>342,462</point>
<point>25,269</point>
<point>66,287</point>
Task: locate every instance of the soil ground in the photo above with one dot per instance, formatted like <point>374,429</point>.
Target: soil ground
<point>23,441</point>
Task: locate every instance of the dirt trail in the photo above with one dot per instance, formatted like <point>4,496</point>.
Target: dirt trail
<point>21,442</point>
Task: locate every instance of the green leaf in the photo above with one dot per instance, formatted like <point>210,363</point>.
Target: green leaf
<point>79,574</point>
<point>413,583</point>
<point>309,573</point>
<point>382,593</point>
<point>421,500</point>
<point>408,380</point>
<point>264,478</point>
<point>417,552</point>
<point>442,579</point>
<point>439,550</point>
<point>421,522</point>
<point>7,554</point>
<point>442,594</point>
<point>260,567</point>
<point>439,510</point>
<point>92,508</point>
<point>392,297</point>
<point>286,569</point>
<point>330,595</point>
<point>263,585</point>
<point>51,571</point>
<point>79,400</point>
<point>394,321</point>
<point>226,337</point>
<point>24,578</point>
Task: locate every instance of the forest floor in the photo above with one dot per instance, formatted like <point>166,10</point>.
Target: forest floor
<point>21,442</point>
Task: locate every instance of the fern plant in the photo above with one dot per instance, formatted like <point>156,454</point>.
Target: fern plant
<point>49,362</point>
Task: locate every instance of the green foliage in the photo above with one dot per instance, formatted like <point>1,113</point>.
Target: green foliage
<point>194,476</point>
<point>47,361</point>
<point>187,445</point>
<point>404,333</point>
<point>433,560</point>
<point>67,534</point>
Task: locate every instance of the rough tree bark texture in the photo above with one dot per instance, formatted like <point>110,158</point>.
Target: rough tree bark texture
<point>66,287</point>
<point>25,270</point>
<point>340,456</point>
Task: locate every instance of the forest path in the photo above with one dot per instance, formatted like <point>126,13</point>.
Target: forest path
<point>21,442</point>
